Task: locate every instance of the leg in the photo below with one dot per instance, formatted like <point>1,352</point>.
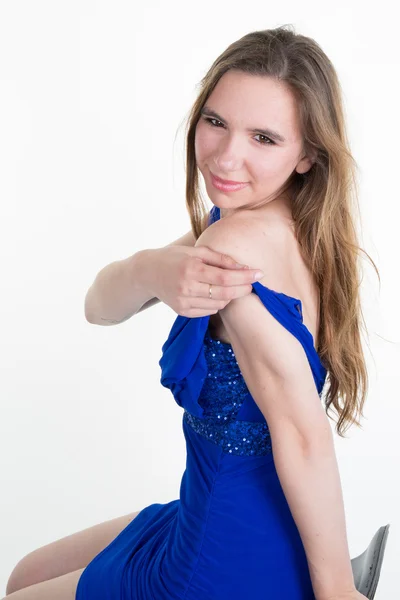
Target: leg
<point>66,555</point>
<point>60,588</point>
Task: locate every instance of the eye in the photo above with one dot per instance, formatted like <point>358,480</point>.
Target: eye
<point>210,121</point>
<point>268,143</point>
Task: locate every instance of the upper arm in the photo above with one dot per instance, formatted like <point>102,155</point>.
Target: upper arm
<point>272,360</point>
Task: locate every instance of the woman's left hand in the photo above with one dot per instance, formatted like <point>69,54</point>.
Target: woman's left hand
<point>354,595</point>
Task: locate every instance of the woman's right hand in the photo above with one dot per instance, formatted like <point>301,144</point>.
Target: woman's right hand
<point>182,275</point>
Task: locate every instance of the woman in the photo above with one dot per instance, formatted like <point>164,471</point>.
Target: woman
<point>260,512</point>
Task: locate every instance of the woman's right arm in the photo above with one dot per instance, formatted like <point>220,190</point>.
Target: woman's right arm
<point>119,290</point>
<point>178,274</point>
<point>122,288</point>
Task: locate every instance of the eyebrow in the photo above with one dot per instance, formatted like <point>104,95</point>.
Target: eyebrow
<point>267,132</point>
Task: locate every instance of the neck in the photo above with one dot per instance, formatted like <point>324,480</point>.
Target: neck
<point>281,205</point>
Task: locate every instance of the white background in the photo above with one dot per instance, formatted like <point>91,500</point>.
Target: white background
<point>93,99</point>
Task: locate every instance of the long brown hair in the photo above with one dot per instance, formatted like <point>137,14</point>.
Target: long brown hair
<point>323,200</point>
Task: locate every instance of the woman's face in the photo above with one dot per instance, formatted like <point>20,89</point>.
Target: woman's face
<point>233,147</point>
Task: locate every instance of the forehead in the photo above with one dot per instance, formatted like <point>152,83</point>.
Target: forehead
<point>246,100</point>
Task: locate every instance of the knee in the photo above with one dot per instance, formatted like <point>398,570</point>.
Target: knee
<point>13,581</point>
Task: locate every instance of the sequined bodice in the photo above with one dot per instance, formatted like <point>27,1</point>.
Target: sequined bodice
<point>221,397</point>
<point>224,386</point>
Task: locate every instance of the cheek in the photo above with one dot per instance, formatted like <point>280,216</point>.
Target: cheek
<point>205,143</point>
<point>274,164</point>
<point>264,166</point>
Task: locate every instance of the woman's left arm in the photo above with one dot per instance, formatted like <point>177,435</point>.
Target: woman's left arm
<point>279,378</point>
<point>310,480</point>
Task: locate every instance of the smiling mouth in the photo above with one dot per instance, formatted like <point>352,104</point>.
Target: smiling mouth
<point>227,181</point>
<point>227,187</point>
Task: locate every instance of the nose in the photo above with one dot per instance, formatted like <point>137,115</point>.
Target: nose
<point>229,157</point>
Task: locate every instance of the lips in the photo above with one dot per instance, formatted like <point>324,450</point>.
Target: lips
<point>226,187</point>
<point>227,181</point>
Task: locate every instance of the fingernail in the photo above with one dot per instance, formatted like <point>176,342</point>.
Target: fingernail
<point>258,275</point>
<point>239,265</point>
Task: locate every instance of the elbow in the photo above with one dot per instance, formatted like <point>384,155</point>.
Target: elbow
<point>319,441</point>
<point>88,308</point>
<point>91,318</point>
<point>88,315</point>
<point>314,430</point>
<point>315,439</point>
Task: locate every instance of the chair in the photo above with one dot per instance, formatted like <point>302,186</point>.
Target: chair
<point>367,566</point>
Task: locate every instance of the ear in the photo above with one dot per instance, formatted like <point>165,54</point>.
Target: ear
<point>305,163</point>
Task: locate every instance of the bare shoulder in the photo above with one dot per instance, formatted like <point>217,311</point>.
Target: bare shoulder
<point>259,239</point>
<point>266,240</point>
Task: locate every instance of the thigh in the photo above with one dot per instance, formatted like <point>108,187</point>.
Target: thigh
<point>66,555</point>
<point>60,588</point>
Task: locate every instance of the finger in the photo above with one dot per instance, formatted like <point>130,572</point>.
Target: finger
<point>200,313</point>
<point>207,303</point>
<point>226,277</point>
<point>218,259</point>
<point>226,293</point>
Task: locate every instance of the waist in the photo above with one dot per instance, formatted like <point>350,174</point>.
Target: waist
<point>242,438</point>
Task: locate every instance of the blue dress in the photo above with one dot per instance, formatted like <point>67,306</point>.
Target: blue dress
<point>230,535</point>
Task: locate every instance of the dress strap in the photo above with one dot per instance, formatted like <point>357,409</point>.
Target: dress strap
<point>288,311</point>
<point>214,214</point>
